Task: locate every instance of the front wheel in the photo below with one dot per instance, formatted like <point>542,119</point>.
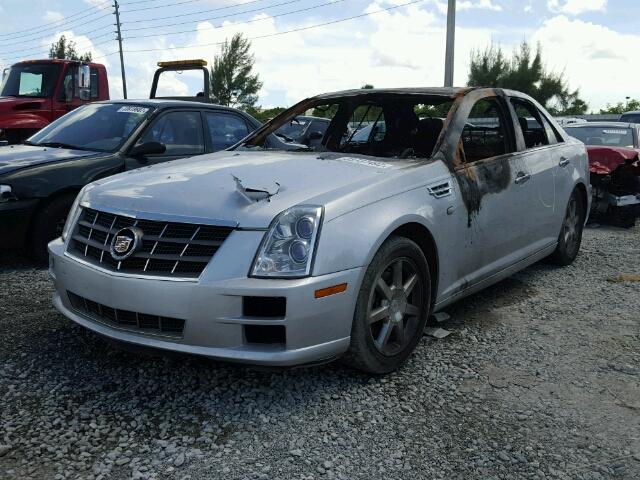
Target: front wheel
<point>392,308</point>
<point>570,236</point>
<point>48,225</point>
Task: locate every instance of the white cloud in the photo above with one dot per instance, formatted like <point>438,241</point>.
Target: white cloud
<point>598,60</point>
<point>480,4</point>
<point>82,43</point>
<point>101,4</point>
<point>403,47</point>
<point>51,16</point>
<point>397,48</point>
<point>576,7</point>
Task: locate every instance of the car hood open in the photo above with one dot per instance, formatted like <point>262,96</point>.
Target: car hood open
<point>245,188</point>
<point>16,157</point>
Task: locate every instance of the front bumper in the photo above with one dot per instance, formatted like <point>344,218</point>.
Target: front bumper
<point>212,307</point>
<point>15,218</point>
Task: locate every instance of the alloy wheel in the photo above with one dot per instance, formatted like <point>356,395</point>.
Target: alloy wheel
<point>395,304</point>
<point>571,227</point>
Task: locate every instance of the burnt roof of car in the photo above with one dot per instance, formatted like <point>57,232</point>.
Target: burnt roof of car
<point>450,92</point>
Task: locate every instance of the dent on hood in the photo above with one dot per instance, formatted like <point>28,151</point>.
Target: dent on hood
<point>256,193</point>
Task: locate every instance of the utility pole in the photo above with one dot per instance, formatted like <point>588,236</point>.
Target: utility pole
<point>451,40</point>
<point>124,79</point>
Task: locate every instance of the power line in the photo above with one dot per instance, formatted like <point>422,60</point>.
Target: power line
<point>238,4</point>
<point>288,2</point>
<point>313,7</point>
<point>148,1</point>
<point>75,34</point>
<point>58,23</point>
<point>33,52</point>
<point>206,11</point>
<point>300,29</point>
<point>47,32</point>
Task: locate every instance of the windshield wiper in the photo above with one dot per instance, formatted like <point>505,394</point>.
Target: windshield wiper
<point>59,145</point>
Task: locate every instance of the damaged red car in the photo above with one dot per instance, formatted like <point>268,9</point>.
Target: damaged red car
<point>614,163</point>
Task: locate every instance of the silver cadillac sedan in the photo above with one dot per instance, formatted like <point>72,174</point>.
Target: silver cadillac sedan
<point>410,200</point>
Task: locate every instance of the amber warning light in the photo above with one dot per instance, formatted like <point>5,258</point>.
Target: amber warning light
<point>174,63</point>
<point>325,292</point>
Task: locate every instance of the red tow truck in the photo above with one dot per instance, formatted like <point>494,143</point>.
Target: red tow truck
<point>36,92</point>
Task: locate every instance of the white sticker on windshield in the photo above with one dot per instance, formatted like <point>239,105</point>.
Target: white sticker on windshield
<point>362,161</point>
<point>128,109</point>
<point>615,132</point>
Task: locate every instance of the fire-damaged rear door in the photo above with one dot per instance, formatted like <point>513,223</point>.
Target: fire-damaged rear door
<point>541,156</point>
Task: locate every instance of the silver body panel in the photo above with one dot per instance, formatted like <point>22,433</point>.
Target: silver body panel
<point>365,199</point>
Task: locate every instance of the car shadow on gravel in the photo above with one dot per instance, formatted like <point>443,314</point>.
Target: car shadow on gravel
<point>483,306</point>
<point>17,259</point>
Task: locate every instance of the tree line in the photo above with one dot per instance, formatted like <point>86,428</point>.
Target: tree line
<point>234,83</point>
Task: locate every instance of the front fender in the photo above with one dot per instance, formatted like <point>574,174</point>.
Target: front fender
<point>351,240</point>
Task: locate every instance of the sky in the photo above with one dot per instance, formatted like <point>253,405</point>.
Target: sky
<point>390,43</point>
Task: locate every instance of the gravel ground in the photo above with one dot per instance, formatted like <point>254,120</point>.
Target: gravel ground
<point>540,379</point>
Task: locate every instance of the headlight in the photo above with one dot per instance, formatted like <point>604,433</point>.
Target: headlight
<point>6,194</point>
<point>73,214</point>
<point>287,249</point>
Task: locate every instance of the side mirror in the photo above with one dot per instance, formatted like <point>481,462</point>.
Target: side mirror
<point>84,82</point>
<point>316,135</point>
<point>148,148</point>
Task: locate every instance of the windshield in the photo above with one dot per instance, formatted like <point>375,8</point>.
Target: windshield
<point>99,126</point>
<point>377,124</point>
<point>608,136</point>
<point>30,80</point>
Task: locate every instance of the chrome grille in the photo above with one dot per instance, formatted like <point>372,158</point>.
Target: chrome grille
<point>168,248</point>
<point>125,318</point>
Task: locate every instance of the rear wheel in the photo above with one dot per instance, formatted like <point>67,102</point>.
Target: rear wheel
<point>48,225</point>
<point>392,308</point>
<point>570,236</point>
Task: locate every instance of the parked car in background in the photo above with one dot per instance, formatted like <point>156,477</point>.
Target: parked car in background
<point>613,149</point>
<point>630,117</point>
<point>340,250</point>
<point>36,92</point>
<point>305,130</point>
<point>40,179</point>
<point>564,121</point>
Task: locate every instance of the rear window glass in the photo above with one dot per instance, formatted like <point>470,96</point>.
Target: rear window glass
<point>608,136</point>
<point>630,117</point>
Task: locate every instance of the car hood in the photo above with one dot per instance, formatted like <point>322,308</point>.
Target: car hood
<point>223,186</point>
<point>15,157</point>
<point>604,160</point>
<point>23,103</point>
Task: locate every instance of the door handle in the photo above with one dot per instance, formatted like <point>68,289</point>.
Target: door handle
<point>522,177</point>
<point>564,161</point>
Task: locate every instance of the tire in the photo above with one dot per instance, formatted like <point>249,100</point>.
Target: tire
<point>384,344</point>
<point>570,236</point>
<point>623,217</point>
<point>48,224</point>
